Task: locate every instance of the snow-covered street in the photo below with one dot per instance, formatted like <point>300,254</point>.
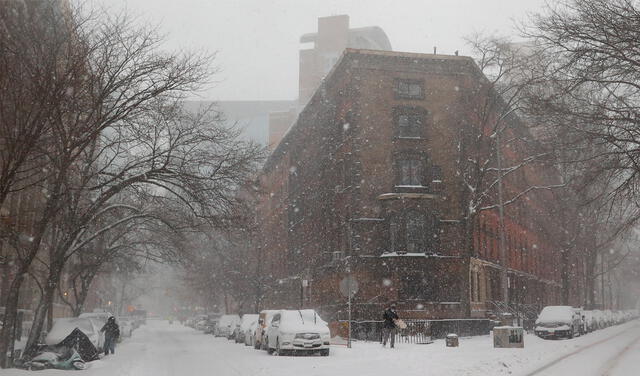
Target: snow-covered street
<point>161,349</point>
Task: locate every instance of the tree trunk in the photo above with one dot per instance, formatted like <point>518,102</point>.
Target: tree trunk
<point>564,274</point>
<point>7,334</point>
<point>590,280</point>
<point>46,302</point>
<point>82,297</point>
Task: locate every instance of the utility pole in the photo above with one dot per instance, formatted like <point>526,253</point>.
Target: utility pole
<point>504,276</point>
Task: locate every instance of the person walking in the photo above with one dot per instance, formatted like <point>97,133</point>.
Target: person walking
<point>111,333</point>
<point>389,326</point>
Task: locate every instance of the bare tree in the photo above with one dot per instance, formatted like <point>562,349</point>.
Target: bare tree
<point>588,99</point>
<point>127,247</point>
<point>121,74</point>
<point>500,162</point>
<point>169,158</point>
<point>39,63</point>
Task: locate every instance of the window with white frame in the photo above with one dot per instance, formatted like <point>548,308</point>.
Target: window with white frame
<point>409,89</point>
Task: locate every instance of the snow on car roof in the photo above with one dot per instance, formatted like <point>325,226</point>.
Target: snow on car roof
<point>247,320</point>
<point>556,314</point>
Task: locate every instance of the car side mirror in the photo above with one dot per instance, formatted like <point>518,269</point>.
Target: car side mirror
<point>275,324</point>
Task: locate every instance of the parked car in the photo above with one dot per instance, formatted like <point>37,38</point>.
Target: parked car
<point>210,326</point>
<point>589,321</point>
<point>226,325</point>
<point>243,325</point>
<point>126,326</point>
<point>250,333</point>
<point>202,324</point>
<point>193,321</point>
<point>298,331</point>
<point>557,321</point>
<point>264,320</point>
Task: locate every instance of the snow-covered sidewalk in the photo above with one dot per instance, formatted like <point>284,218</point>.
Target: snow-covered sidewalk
<point>160,349</point>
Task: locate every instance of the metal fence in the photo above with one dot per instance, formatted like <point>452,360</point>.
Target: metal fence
<point>422,331</point>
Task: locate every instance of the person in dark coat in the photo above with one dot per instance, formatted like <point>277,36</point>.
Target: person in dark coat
<point>389,326</point>
<point>111,333</point>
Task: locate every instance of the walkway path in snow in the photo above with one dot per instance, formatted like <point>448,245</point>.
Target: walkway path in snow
<point>160,349</point>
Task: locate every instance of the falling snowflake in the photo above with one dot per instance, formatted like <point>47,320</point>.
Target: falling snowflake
<point>386,282</point>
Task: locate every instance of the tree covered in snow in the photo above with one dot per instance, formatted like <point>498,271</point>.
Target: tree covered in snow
<point>121,132</point>
<point>499,161</point>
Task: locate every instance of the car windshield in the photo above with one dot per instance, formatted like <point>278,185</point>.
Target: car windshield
<point>320,187</point>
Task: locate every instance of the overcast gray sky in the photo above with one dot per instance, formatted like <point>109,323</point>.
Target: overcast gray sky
<point>257,40</point>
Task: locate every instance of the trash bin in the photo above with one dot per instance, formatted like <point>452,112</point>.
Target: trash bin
<point>452,340</point>
<point>508,337</point>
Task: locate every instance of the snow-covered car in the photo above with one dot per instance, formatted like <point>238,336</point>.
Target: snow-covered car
<point>243,326</point>
<point>608,317</point>
<point>210,326</point>
<point>202,325</point>
<point>226,325</point>
<point>598,317</point>
<point>250,334</point>
<point>193,321</point>
<point>264,320</point>
<point>589,321</point>
<point>557,321</point>
<point>62,327</point>
<point>298,331</point>
<point>126,326</point>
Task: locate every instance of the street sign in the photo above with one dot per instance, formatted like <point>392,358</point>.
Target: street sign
<point>348,286</point>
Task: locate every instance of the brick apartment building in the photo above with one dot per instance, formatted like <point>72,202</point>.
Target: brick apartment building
<point>367,181</point>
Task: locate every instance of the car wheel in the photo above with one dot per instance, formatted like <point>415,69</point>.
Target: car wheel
<point>571,334</point>
<point>269,349</point>
<point>324,352</point>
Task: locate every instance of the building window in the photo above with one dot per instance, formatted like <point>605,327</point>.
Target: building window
<point>409,126</point>
<point>409,89</point>
<point>409,122</point>
<point>410,171</point>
